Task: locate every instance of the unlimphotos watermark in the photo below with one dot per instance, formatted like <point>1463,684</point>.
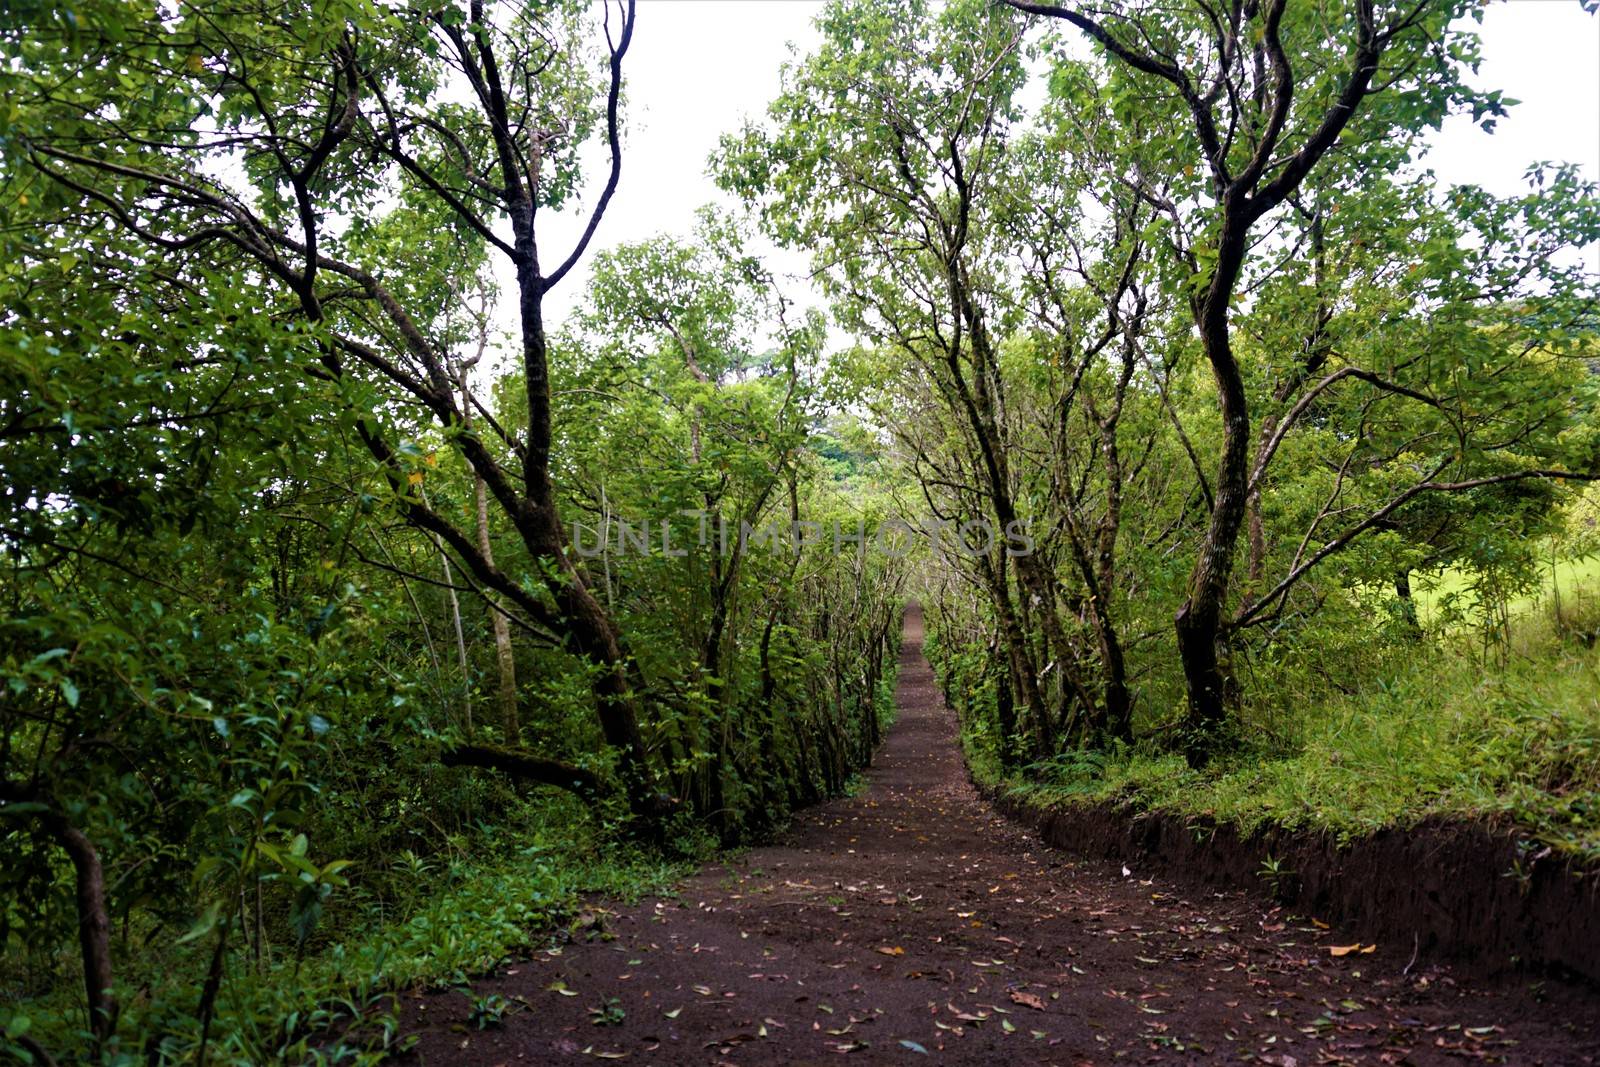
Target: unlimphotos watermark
<point>695,530</point>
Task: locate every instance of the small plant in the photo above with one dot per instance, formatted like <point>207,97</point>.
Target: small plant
<point>1275,874</point>
<point>1529,853</point>
<point>1076,771</point>
<point>608,1014</point>
<point>488,1012</point>
<point>410,879</point>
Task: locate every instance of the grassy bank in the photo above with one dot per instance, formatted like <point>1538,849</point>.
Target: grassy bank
<point>1439,729</point>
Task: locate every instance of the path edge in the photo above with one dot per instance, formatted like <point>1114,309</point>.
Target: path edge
<point>1473,893</point>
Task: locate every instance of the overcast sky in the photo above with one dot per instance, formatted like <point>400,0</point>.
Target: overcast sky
<point>698,68</point>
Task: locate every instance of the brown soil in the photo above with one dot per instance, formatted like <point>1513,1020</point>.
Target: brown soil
<point>1480,895</point>
<point>914,923</point>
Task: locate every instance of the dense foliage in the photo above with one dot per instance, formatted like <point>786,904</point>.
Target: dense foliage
<point>302,587</point>
<point>356,615</point>
<point>1184,303</point>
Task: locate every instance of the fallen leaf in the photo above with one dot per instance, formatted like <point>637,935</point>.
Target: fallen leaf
<point>889,950</point>
<point>913,1046</point>
<point>730,1041</point>
<point>1345,950</point>
<point>1029,1000</point>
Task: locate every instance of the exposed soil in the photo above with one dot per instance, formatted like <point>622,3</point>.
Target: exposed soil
<point>913,922</point>
<point>1477,894</point>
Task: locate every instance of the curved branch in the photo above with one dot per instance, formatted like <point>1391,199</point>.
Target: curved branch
<point>525,766</point>
<point>614,139</point>
<point>1270,448</point>
<point>1377,517</point>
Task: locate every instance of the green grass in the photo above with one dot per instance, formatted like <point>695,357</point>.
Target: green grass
<point>1450,593</point>
<point>1441,730</point>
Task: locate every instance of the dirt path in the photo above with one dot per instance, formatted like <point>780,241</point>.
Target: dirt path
<point>911,924</point>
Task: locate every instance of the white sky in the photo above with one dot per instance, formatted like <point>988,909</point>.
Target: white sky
<point>698,68</point>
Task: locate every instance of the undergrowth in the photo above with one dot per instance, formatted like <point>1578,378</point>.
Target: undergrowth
<point>504,882</point>
<point>1438,728</point>
<point>467,912</point>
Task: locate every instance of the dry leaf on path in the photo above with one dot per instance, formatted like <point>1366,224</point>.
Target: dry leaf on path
<point>1028,1000</point>
<point>1345,950</point>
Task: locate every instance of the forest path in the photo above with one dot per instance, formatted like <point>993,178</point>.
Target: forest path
<point>912,923</point>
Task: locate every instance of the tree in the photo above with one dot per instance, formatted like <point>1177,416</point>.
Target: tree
<point>1261,103</point>
<point>280,131</point>
<point>890,145</point>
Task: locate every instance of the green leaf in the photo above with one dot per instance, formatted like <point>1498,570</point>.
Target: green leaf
<point>204,925</point>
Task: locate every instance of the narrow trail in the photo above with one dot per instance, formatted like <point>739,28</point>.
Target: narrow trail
<point>912,924</point>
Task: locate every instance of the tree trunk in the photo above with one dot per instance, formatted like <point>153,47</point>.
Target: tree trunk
<point>592,633</point>
<point>94,920</point>
<point>1199,620</point>
<point>461,639</point>
<point>1118,700</point>
<point>1257,536</point>
<point>1022,672</point>
<point>505,655</point>
<point>1408,605</point>
<point>1005,708</point>
<point>524,766</point>
<point>94,928</point>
